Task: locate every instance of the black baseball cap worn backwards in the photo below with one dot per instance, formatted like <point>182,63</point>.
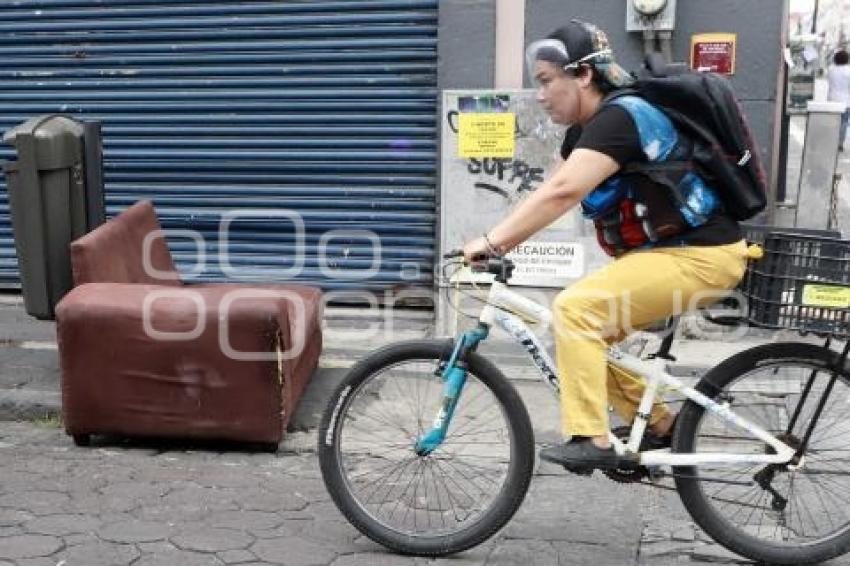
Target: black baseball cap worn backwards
<point>575,44</point>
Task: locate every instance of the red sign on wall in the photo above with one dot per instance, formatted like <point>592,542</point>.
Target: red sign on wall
<point>713,52</point>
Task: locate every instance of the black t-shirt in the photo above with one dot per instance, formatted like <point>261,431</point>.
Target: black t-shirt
<point>612,131</point>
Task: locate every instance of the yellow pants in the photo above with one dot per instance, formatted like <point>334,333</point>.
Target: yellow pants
<point>635,290</point>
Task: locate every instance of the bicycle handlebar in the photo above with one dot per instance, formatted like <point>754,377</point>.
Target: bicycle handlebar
<point>499,266</point>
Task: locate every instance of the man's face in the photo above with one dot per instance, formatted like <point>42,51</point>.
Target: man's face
<point>557,92</point>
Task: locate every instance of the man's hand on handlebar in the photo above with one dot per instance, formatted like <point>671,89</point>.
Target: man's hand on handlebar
<point>476,250</point>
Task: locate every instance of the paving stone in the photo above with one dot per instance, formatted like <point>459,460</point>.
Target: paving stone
<point>236,557</point>
<point>666,561</point>
<point>685,533</point>
<point>11,517</point>
<point>330,532</point>
<point>9,531</point>
<point>262,500</point>
<point>14,482</point>
<point>308,489</point>
<point>716,553</point>
<point>473,557</point>
<point>36,502</point>
<point>177,558</point>
<point>74,540</point>
<point>667,548</point>
<point>305,515</point>
<point>36,562</point>
<point>48,466</point>
<point>159,547</point>
<point>377,559</point>
<point>28,546</point>
<point>527,553</point>
<point>61,525</point>
<point>175,514</point>
<point>99,554</point>
<point>322,511</point>
<point>212,540</point>
<point>135,491</point>
<point>202,498</point>
<point>169,473</point>
<point>233,477</point>
<point>134,531</point>
<point>248,520</point>
<point>292,550</point>
<point>287,529</point>
<point>654,534</point>
<point>95,504</point>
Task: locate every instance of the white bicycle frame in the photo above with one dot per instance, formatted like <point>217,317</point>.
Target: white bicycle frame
<point>501,299</point>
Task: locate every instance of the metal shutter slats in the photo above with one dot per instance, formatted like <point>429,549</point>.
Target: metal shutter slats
<point>327,108</point>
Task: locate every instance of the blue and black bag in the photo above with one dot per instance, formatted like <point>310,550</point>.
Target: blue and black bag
<point>704,108</point>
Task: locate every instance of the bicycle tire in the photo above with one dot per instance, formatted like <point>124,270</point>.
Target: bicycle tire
<point>744,540</point>
<point>504,504</point>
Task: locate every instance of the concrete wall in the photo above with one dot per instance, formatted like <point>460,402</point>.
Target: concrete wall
<point>467,44</point>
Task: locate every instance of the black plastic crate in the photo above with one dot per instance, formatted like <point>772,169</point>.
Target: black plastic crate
<point>756,233</point>
<point>801,283</point>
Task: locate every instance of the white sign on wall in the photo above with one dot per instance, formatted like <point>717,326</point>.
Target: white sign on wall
<point>547,264</point>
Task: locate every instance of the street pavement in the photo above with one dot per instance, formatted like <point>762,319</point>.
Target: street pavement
<point>121,502</point>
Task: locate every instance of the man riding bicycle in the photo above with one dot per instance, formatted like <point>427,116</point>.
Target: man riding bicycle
<point>669,256</point>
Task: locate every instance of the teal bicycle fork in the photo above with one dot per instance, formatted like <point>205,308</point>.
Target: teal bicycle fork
<point>454,378</point>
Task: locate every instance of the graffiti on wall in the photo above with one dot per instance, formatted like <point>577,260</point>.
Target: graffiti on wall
<point>508,178</point>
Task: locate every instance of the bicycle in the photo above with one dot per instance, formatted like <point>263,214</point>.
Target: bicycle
<point>427,448</point>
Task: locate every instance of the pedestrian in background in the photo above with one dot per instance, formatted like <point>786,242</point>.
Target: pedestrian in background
<point>839,89</point>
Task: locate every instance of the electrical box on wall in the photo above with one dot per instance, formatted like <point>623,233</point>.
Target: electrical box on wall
<point>650,14</point>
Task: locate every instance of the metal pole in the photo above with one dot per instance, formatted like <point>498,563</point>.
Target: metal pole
<point>815,18</point>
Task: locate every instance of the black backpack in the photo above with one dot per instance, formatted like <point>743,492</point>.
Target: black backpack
<point>704,108</point>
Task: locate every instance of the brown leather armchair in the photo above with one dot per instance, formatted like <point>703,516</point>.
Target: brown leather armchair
<point>142,354</point>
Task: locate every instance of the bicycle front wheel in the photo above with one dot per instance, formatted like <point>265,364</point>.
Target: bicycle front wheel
<point>437,504</point>
<point>779,514</point>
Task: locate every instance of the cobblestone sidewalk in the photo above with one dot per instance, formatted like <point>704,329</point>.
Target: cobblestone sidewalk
<point>164,505</point>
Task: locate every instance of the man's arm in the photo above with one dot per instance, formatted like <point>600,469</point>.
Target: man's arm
<point>583,171</point>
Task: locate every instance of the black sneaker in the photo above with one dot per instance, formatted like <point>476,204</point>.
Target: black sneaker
<point>581,456</point>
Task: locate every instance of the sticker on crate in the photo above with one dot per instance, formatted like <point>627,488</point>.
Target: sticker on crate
<point>826,296</point>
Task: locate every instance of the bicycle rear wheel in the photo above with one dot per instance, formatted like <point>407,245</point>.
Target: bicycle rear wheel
<point>798,514</point>
<point>441,503</point>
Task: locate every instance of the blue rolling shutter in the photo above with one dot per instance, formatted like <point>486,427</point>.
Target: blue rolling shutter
<point>247,112</point>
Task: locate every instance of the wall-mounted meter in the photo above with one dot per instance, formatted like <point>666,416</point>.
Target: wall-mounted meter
<point>649,7</point>
<point>657,15</point>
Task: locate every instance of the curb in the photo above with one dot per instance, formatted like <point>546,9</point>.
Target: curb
<point>18,404</point>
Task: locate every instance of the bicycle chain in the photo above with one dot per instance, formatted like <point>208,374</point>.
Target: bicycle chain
<point>636,475</point>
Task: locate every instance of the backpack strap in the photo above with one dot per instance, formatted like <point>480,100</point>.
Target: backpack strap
<point>668,174</point>
<point>617,93</point>
<point>660,140</point>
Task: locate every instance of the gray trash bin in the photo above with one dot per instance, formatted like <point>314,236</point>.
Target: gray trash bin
<point>50,203</point>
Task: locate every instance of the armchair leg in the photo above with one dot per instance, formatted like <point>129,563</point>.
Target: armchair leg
<point>82,439</point>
